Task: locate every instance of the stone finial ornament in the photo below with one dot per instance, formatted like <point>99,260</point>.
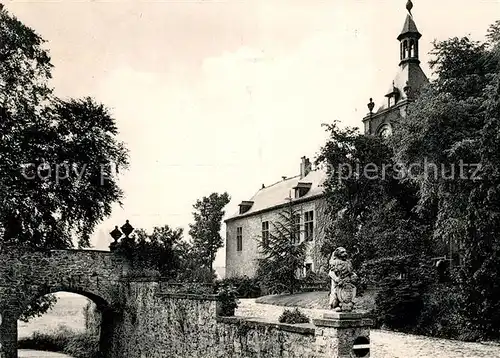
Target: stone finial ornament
<point>342,291</point>
<point>116,234</point>
<point>371,104</point>
<point>127,228</point>
<point>409,6</point>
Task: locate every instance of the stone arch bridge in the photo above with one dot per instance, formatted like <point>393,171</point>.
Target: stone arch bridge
<point>140,319</point>
<point>101,276</point>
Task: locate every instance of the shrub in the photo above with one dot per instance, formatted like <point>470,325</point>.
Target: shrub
<point>315,281</point>
<point>420,305</point>
<point>245,287</point>
<point>441,315</point>
<point>192,288</point>
<point>196,274</point>
<point>398,304</point>
<point>403,282</point>
<point>64,340</point>
<point>228,300</point>
<point>92,318</point>
<point>293,317</point>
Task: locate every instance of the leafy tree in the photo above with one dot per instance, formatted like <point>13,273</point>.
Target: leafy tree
<point>164,252</point>
<point>38,307</point>
<point>160,251</point>
<point>205,231</point>
<point>372,209</point>
<point>58,158</point>
<point>453,124</point>
<point>282,254</point>
<point>193,270</point>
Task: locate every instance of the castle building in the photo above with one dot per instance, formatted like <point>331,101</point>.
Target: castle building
<point>406,86</point>
<point>253,221</point>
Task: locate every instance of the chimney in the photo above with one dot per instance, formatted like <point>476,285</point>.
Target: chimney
<point>305,167</point>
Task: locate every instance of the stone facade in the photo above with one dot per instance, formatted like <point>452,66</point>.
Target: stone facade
<point>406,86</point>
<point>25,276</point>
<point>156,324</point>
<point>244,262</point>
<point>140,320</point>
<point>177,325</point>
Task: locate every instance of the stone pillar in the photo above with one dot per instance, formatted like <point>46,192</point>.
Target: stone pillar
<point>108,326</point>
<point>343,335</point>
<point>8,334</point>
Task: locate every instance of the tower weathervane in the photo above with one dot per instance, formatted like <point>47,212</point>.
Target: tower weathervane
<point>409,6</point>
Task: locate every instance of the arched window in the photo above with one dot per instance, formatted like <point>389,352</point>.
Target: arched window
<point>412,48</point>
<point>405,49</point>
<point>385,131</point>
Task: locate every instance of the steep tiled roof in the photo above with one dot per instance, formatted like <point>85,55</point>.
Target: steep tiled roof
<point>278,193</point>
<point>411,74</point>
<point>409,27</point>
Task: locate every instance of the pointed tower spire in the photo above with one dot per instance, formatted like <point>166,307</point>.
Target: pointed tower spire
<point>408,38</point>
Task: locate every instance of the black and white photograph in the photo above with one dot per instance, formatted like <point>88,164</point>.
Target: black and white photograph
<point>249,178</point>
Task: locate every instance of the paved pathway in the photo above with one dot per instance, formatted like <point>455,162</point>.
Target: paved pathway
<point>40,354</point>
<point>388,344</point>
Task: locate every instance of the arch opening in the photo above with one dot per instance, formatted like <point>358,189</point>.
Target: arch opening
<point>72,325</point>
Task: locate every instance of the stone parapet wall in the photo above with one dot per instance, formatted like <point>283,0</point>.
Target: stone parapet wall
<point>247,337</point>
<point>155,324</point>
<point>26,275</point>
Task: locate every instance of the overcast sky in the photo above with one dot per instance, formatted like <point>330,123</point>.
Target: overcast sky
<point>228,95</point>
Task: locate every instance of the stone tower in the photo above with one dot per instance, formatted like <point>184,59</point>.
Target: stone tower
<point>406,85</point>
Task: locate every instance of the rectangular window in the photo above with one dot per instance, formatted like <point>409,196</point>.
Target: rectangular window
<point>309,225</point>
<point>308,268</point>
<point>239,238</point>
<point>265,233</point>
<point>296,232</point>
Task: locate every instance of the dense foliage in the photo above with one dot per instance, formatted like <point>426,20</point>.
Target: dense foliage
<point>205,231</point>
<point>282,254</point>
<point>246,287</point>
<point>372,208</point>
<point>166,252</point>
<point>457,121</point>
<point>227,300</point>
<point>448,204</point>
<point>58,158</point>
<point>162,250</point>
<point>64,340</point>
<point>293,316</point>
<point>38,307</point>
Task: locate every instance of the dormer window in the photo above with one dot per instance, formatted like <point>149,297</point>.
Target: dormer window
<point>245,206</point>
<point>392,96</point>
<point>302,189</point>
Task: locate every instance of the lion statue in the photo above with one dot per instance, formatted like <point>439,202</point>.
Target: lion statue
<point>342,290</point>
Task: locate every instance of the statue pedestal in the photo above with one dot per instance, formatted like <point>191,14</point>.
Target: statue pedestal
<point>343,335</point>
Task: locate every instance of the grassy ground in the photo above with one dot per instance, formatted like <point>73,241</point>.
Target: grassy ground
<point>40,354</point>
<point>62,329</point>
<point>384,344</point>
<point>68,311</point>
<point>64,340</point>
<point>318,300</point>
